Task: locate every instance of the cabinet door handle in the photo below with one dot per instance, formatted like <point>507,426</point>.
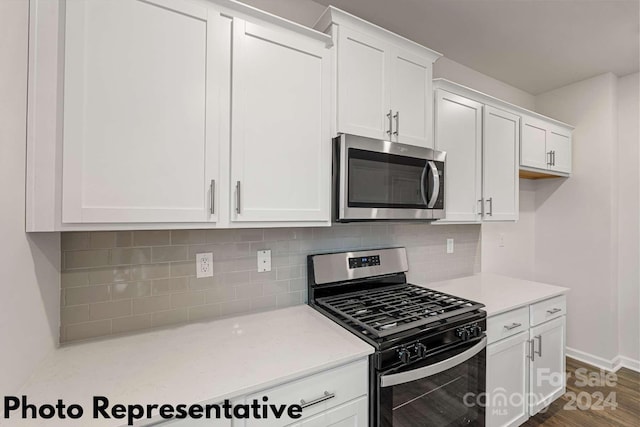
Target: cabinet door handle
<point>512,326</point>
<point>554,310</point>
<point>481,201</point>
<point>549,162</point>
<point>390,117</point>
<point>532,354</point>
<point>490,201</point>
<point>539,352</point>
<point>324,397</point>
<point>238,197</point>
<point>397,117</point>
<point>553,157</point>
<point>212,206</point>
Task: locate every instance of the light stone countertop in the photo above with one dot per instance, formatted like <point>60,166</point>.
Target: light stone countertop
<point>222,359</point>
<point>498,293</point>
<point>196,363</point>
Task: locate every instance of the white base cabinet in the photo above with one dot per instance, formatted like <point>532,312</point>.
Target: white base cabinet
<point>338,397</point>
<point>525,361</point>
<point>351,414</point>
<point>507,381</point>
<point>175,114</point>
<point>547,371</point>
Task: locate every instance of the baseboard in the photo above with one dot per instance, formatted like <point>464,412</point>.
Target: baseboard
<point>599,362</point>
<point>629,363</point>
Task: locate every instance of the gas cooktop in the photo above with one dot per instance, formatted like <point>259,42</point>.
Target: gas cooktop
<point>392,309</point>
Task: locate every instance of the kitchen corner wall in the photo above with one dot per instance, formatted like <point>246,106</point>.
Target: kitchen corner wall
<point>117,282</point>
<point>29,307</point>
<point>576,219</point>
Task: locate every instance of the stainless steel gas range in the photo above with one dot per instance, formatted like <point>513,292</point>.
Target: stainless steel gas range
<point>429,365</point>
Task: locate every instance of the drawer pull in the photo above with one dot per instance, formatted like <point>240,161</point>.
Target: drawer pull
<point>325,396</point>
<point>554,310</point>
<point>512,326</point>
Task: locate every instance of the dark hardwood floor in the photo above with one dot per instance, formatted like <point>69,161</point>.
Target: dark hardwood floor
<point>586,405</point>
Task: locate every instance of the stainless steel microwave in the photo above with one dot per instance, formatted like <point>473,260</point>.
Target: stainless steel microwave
<point>382,180</point>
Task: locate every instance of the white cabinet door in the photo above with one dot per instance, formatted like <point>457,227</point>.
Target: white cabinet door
<point>139,143</point>
<point>363,92</point>
<point>281,144</point>
<point>411,99</point>
<point>501,143</point>
<point>547,373</point>
<point>458,131</point>
<point>202,422</point>
<point>559,144</point>
<point>533,149</point>
<point>350,414</point>
<point>507,381</point>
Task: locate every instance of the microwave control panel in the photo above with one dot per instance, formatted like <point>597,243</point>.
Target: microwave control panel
<point>364,261</point>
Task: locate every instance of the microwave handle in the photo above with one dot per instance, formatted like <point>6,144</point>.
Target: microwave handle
<point>436,368</point>
<point>433,198</point>
<point>423,186</point>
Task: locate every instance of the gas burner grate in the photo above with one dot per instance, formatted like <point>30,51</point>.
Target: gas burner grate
<point>393,309</point>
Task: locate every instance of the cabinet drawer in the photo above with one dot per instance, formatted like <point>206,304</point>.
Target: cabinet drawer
<point>548,309</point>
<point>507,324</point>
<point>343,384</point>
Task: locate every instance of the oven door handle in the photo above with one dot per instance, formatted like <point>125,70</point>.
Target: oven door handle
<point>436,368</point>
<point>436,184</point>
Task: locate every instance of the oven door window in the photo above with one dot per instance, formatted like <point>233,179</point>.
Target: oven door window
<point>380,180</point>
<point>447,398</point>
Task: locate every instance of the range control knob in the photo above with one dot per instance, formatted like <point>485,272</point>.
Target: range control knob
<point>403,355</point>
<point>421,350</point>
<point>463,334</point>
<point>476,331</point>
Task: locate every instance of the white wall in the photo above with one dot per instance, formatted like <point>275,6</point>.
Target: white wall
<point>628,217</point>
<point>576,218</point>
<point>454,71</point>
<point>509,248</point>
<point>29,265</point>
<point>304,12</point>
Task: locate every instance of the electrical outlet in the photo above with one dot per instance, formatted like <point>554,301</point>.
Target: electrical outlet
<point>449,246</point>
<point>501,240</point>
<point>204,265</point>
<point>264,261</point>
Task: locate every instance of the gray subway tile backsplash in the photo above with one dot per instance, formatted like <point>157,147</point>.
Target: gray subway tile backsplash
<point>116,282</point>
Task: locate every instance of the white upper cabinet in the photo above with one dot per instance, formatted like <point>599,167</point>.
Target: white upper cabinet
<point>482,145</point>
<point>501,143</point>
<point>534,144</point>
<point>139,144</point>
<point>145,114</point>
<point>411,98</point>
<point>545,147</point>
<point>281,142</point>
<point>559,144</point>
<point>383,81</point>
<point>363,96</point>
<point>458,131</point>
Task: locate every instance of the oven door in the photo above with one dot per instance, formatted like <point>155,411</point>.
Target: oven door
<point>386,180</point>
<point>443,390</point>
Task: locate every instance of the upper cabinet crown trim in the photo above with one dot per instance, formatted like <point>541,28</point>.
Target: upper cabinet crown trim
<point>459,89</point>
<point>235,7</point>
<point>333,15</point>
